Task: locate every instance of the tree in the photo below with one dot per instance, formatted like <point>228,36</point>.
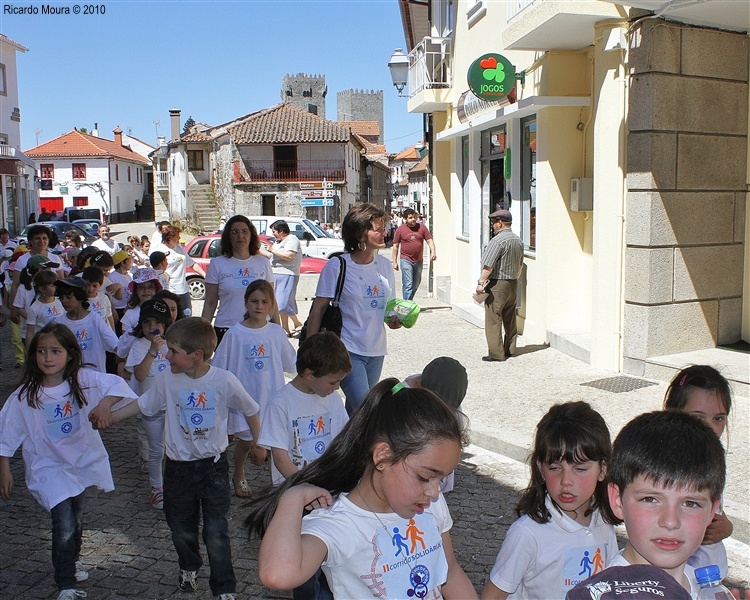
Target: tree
<point>188,124</point>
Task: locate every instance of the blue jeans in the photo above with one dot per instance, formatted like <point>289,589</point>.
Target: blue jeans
<point>365,374</point>
<point>315,588</point>
<point>411,277</point>
<point>67,532</point>
<point>192,488</point>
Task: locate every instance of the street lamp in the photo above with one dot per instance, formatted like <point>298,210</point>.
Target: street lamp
<point>399,66</point>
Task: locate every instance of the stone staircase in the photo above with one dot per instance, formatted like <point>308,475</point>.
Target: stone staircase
<point>202,207</point>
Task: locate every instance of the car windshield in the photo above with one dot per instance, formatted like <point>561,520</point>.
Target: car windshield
<point>319,231</point>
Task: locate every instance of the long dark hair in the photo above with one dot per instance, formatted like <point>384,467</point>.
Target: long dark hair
<point>31,379</point>
<point>225,246</point>
<point>703,377</point>
<point>575,433</point>
<point>407,421</point>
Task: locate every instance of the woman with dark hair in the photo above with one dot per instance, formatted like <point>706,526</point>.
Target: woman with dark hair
<point>368,285</point>
<point>239,264</point>
<point>286,257</point>
<point>177,263</point>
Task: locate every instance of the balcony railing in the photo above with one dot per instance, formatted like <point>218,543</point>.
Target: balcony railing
<point>289,170</point>
<point>162,179</point>
<point>430,65</point>
<point>514,7</point>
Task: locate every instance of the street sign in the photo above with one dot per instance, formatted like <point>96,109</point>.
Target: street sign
<point>312,193</point>
<point>316,185</point>
<point>327,202</point>
<point>312,202</point>
<point>328,193</point>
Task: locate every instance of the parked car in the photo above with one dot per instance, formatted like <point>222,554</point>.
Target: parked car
<point>205,247</point>
<point>90,225</point>
<point>315,240</point>
<point>60,228</point>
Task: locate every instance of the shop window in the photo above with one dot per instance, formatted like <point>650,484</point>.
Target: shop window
<point>80,201</point>
<point>528,182</point>
<point>195,160</point>
<point>79,170</point>
<point>47,171</point>
<point>465,186</point>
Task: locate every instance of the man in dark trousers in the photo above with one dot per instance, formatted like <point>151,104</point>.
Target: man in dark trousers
<point>502,260</point>
<point>410,237</point>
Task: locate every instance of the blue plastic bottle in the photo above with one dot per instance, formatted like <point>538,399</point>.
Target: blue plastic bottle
<point>709,578</point>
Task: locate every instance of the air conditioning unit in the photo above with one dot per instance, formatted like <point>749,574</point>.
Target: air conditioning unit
<point>581,194</point>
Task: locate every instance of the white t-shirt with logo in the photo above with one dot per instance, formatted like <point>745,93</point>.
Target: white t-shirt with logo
<point>233,275</point>
<point>41,313</point>
<point>259,358</point>
<point>124,281</point>
<point>302,424</point>
<point>383,556</point>
<point>62,452</point>
<point>196,411</point>
<point>546,560</point>
<point>138,351</point>
<point>100,304</point>
<point>367,289</point>
<point>95,337</point>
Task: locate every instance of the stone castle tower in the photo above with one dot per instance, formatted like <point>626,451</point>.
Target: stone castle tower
<point>307,92</point>
<point>361,105</point>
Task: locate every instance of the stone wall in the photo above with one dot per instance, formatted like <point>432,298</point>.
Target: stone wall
<point>304,91</point>
<point>361,105</point>
<point>686,189</point>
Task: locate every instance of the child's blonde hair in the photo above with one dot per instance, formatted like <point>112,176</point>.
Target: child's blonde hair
<point>42,278</point>
<point>193,333</point>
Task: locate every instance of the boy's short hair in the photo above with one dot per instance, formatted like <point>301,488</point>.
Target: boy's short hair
<point>93,275</point>
<point>324,354</point>
<point>157,258</point>
<point>193,333</point>
<point>669,448</point>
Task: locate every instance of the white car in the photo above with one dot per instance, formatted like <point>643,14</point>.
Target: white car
<point>314,239</point>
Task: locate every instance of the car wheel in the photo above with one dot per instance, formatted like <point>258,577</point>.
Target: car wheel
<point>197,287</point>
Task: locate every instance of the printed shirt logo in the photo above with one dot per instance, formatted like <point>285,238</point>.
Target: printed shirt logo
<point>197,411</point>
<point>580,564</point>
<point>409,561</point>
<point>86,340</point>
<point>256,355</point>
<point>241,277</point>
<point>373,296</point>
<point>311,436</point>
<point>62,419</point>
<point>159,364</point>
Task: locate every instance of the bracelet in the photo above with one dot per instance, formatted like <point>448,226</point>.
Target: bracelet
<point>152,355</point>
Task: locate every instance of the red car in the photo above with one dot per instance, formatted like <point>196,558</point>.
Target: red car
<point>204,247</point>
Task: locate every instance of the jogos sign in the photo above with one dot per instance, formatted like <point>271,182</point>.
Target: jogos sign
<point>491,77</point>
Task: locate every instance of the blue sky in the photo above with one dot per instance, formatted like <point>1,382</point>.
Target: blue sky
<point>213,60</point>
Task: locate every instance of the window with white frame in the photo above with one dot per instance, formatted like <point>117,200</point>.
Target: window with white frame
<point>3,84</point>
<point>528,182</point>
<point>465,196</point>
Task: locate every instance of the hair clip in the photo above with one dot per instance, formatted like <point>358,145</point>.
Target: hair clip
<point>398,387</point>
<point>683,380</point>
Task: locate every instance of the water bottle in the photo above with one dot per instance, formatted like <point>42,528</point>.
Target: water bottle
<point>709,578</point>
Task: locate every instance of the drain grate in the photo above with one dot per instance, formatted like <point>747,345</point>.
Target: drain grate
<point>619,384</point>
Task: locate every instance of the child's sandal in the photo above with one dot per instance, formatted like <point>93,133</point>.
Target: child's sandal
<point>241,488</point>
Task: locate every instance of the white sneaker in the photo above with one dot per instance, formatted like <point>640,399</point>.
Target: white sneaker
<point>226,597</point>
<point>81,573</point>
<point>71,594</point>
<point>188,580</point>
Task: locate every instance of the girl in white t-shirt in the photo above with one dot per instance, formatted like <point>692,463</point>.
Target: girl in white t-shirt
<point>48,416</point>
<point>146,360</point>
<point>45,307</point>
<point>564,534</point>
<point>144,285</point>
<point>704,392</point>
<point>259,353</point>
<point>387,534</point>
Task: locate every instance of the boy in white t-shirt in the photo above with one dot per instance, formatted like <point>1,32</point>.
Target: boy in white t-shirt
<point>98,301</point>
<point>45,307</point>
<point>302,418</point>
<point>196,397</point>
<point>667,473</point>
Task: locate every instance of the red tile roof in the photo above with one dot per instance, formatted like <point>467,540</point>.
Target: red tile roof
<point>75,144</point>
<point>287,124</point>
<point>370,148</point>
<point>408,154</point>
<point>363,127</point>
<point>420,166</point>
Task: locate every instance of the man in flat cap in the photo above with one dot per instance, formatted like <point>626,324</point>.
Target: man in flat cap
<point>502,260</point>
